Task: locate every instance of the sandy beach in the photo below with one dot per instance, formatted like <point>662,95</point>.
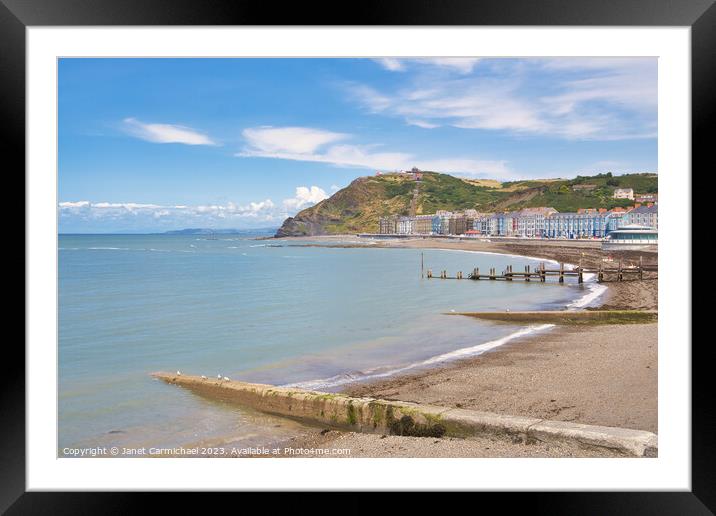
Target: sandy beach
<point>601,375</point>
<point>604,375</point>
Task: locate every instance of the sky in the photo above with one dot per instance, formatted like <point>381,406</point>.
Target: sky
<point>149,145</point>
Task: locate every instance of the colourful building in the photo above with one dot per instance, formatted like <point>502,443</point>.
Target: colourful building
<point>647,216</point>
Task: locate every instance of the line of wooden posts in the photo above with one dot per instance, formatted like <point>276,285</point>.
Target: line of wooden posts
<point>540,273</point>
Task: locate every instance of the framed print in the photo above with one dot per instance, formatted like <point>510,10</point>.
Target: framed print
<point>425,239</point>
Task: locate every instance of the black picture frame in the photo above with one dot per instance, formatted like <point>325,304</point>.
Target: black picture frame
<point>700,15</point>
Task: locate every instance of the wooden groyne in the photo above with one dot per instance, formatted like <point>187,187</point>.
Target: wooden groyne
<point>372,415</point>
<point>541,273</point>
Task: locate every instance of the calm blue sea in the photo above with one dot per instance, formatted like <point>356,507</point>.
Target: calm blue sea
<point>254,310</point>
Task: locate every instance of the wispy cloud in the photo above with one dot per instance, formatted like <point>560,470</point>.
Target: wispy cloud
<point>421,123</point>
<point>391,63</point>
<point>460,65</point>
<point>293,140</point>
<point>316,145</point>
<point>166,133</point>
<point>591,99</point>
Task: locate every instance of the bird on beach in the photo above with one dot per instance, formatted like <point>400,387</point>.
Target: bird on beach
<point>219,376</point>
<point>226,378</point>
<point>203,377</point>
<point>178,373</point>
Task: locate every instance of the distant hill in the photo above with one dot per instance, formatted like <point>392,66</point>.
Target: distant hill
<point>357,207</point>
<point>208,231</point>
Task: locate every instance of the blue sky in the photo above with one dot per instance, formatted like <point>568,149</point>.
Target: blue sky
<point>157,144</point>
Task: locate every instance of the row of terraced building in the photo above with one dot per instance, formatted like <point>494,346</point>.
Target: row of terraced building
<point>542,222</point>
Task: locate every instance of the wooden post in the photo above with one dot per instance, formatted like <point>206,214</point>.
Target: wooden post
<point>421,264</point>
<point>527,272</point>
<point>641,268</point>
<point>600,275</point>
<point>477,273</point>
<point>619,272</point>
<point>561,272</point>
<point>430,273</point>
<point>508,273</point>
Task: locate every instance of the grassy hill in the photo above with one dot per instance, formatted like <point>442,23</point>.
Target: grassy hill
<point>358,207</point>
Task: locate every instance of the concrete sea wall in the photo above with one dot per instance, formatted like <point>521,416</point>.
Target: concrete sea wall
<point>404,418</point>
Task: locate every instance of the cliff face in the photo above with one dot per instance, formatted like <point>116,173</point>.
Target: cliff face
<point>353,209</point>
<point>357,207</point>
<point>301,225</point>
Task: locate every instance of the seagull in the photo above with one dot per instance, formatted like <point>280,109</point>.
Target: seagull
<point>203,377</point>
<point>507,310</point>
<point>219,376</point>
<point>178,373</point>
<point>226,378</point>
<point>453,311</point>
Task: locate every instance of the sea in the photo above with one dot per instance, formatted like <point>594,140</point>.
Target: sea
<point>282,312</point>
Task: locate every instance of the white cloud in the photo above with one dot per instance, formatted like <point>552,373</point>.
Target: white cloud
<point>166,133</point>
<point>229,214</point>
<point>129,206</point>
<point>366,156</point>
<point>305,196</point>
<point>74,205</point>
<point>370,98</point>
<point>391,63</point>
<point>253,209</point>
<point>421,123</point>
<point>294,140</point>
<point>585,98</point>
<point>117,210</point>
<point>460,65</point>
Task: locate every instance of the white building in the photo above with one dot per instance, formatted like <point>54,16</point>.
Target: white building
<point>405,226</point>
<point>624,193</point>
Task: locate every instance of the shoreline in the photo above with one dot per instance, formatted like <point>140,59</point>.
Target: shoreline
<point>526,377</point>
<point>554,378</point>
<point>625,295</point>
<point>604,375</point>
<point>564,369</point>
<point>594,292</point>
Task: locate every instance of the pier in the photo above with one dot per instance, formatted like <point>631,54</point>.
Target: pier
<point>541,273</point>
